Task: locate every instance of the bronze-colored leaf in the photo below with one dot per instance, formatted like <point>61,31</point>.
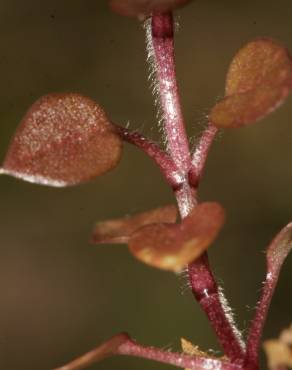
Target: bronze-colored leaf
<point>172,247</point>
<point>143,8</point>
<point>64,139</point>
<point>258,81</point>
<point>119,230</point>
<point>103,351</point>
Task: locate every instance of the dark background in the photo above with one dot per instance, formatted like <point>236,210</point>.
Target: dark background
<point>60,296</point>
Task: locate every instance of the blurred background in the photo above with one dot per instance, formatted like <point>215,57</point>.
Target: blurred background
<point>61,296</point>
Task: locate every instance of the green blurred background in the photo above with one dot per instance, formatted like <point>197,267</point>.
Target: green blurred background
<point>60,296</point>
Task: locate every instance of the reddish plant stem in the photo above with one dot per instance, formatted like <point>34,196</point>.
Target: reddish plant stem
<point>163,53</point>
<point>131,348</point>
<point>206,291</point>
<point>186,199</point>
<point>201,153</point>
<point>101,352</point>
<point>122,344</point>
<point>257,325</point>
<point>204,286</point>
<point>162,159</point>
<point>276,253</point>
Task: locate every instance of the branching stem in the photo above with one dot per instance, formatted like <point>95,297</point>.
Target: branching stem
<point>203,283</point>
<point>153,150</point>
<point>201,153</point>
<point>131,348</point>
<point>122,344</point>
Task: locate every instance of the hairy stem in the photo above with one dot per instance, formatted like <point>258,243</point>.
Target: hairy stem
<point>162,159</point>
<point>131,348</point>
<point>162,45</point>
<point>122,344</point>
<point>203,282</point>
<point>276,254</point>
<point>257,325</point>
<point>211,299</point>
<point>201,153</point>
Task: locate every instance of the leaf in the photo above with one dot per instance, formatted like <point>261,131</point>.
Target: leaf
<point>258,81</point>
<point>279,351</point>
<point>103,351</point>
<point>64,139</point>
<point>119,230</point>
<point>172,247</point>
<point>143,8</point>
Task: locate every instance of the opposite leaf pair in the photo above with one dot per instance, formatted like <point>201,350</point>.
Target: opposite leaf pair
<point>67,139</point>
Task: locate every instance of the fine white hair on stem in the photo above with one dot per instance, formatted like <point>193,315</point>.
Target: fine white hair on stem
<point>152,78</point>
<point>167,347</point>
<point>176,23</point>
<point>185,284</point>
<point>230,316</point>
<point>139,129</point>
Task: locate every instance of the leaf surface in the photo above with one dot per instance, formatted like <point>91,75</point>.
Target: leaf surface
<point>258,81</point>
<point>172,247</point>
<point>119,230</point>
<point>64,139</point>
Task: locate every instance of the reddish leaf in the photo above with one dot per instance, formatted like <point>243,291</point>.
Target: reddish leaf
<point>143,8</point>
<point>64,139</point>
<point>172,247</point>
<point>103,351</point>
<point>119,230</point>
<point>258,81</point>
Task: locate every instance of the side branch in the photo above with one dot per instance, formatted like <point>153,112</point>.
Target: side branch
<point>256,329</point>
<point>161,158</point>
<point>201,153</point>
<point>122,344</point>
<point>277,252</point>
